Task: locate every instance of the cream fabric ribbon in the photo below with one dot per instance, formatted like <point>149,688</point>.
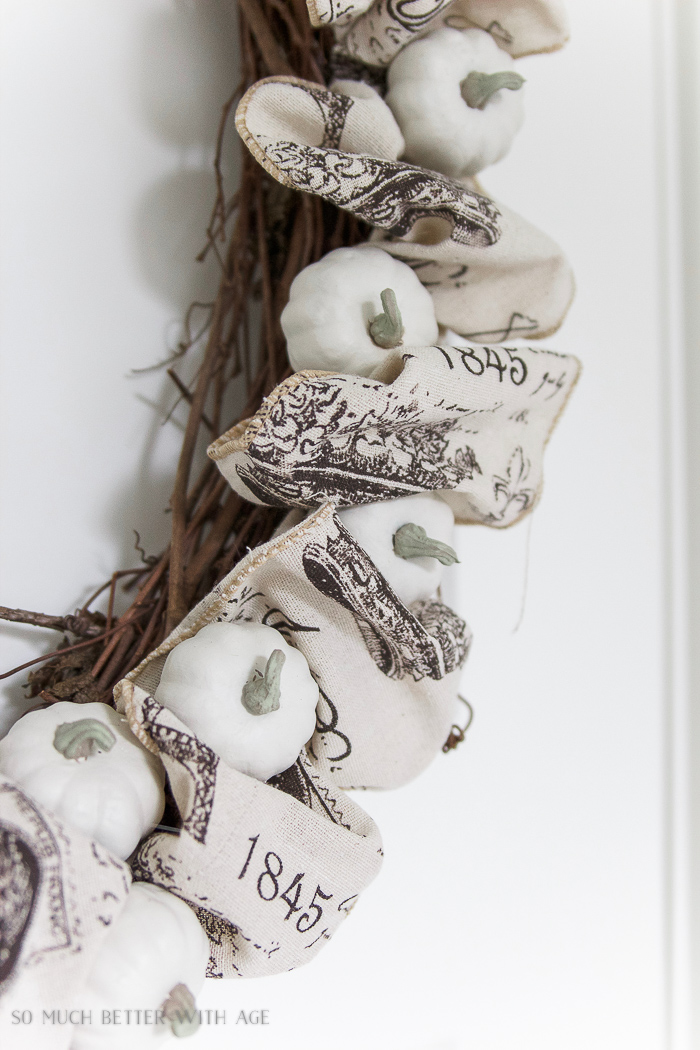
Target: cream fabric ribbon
<point>387,674</point>
<point>374,32</point>
<point>492,275</point>
<point>270,871</point>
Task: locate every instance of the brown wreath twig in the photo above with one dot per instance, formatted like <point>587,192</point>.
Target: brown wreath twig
<point>262,236</point>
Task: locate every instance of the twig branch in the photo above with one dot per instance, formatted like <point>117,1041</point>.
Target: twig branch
<point>84,624</point>
<point>270,49</point>
<point>270,233</point>
<point>57,652</point>
<point>187,394</point>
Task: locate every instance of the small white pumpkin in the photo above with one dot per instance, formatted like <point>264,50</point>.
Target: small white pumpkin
<point>341,318</point>
<point>370,124</point>
<point>83,763</point>
<point>245,692</point>
<point>408,539</point>
<point>153,960</point>
<point>457,100</point>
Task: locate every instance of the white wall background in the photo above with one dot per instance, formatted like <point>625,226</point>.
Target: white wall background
<point>531,891</point>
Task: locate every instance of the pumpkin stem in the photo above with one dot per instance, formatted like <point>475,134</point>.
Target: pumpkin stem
<point>386,329</point>
<point>412,541</point>
<point>478,88</point>
<point>84,738</point>
<point>179,1011</point>
<point>261,693</point>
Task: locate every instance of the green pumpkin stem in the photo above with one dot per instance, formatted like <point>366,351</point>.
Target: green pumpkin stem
<point>412,541</point>
<point>261,693</point>
<point>478,88</point>
<point>386,330</point>
<point>179,1011</point>
<point>84,738</point>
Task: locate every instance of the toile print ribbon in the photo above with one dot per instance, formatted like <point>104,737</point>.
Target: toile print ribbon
<point>387,674</point>
<point>521,288</point>
<point>338,13</point>
<point>492,275</point>
<point>271,870</point>
<point>468,422</point>
<point>59,893</point>
<point>327,143</point>
<point>372,33</point>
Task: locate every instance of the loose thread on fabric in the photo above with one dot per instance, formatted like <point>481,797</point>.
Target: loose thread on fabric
<point>526,576</point>
<point>458,733</point>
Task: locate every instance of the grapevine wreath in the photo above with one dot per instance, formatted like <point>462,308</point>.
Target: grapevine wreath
<point>188,760</point>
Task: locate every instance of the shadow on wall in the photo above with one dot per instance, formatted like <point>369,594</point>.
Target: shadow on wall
<point>186,67</point>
